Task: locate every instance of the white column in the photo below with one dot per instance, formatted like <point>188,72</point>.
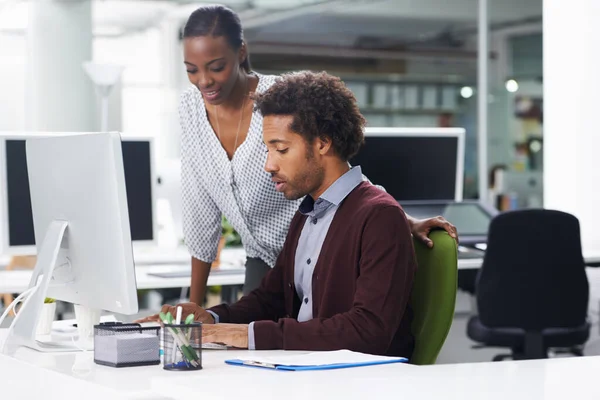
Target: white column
<point>482,99</point>
<point>173,79</point>
<point>571,125</point>
<point>60,97</point>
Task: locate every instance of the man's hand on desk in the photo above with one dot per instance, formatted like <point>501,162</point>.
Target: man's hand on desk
<point>200,314</point>
<point>235,335</point>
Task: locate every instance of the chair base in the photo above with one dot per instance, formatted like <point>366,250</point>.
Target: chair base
<point>529,345</point>
<point>519,354</point>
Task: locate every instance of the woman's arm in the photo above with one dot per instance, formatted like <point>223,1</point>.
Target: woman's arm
<point>420,228</point>
<point>200,272</point>
<point>201,215</point>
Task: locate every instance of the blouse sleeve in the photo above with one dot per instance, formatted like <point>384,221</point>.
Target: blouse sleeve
<point>201,216</point>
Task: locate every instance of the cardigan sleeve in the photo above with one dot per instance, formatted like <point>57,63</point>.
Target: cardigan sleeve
<point>267,302</point>
<point>383,289</point>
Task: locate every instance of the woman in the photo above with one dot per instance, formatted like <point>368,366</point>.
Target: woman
<point>223,155</point>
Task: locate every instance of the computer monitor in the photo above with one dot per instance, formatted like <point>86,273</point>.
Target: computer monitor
<point>82,232</point>
<point>17,235</point>
<point>415,164</point>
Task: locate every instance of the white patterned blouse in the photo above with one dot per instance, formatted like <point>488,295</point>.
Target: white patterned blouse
<point>239,189</point>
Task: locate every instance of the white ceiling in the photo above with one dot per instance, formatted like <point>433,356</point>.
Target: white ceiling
<point>317,21</point>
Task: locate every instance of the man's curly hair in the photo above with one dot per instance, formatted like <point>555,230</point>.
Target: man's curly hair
<point>321,105</point>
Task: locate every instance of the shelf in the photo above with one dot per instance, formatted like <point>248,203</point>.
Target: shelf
<point>408,111</point>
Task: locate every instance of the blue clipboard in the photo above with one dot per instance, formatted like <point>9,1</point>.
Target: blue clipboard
<point>280,367</point>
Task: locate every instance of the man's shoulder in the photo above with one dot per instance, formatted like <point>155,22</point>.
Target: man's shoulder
<point>369,197</point>
<point>369,203</point>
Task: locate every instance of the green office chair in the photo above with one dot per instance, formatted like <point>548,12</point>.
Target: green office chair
<point>433,296</point>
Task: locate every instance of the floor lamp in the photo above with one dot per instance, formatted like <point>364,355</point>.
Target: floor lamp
<point>104,76</point>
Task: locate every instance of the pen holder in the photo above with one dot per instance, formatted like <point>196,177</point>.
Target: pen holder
<point>126,345</point>
<point>182,347</point>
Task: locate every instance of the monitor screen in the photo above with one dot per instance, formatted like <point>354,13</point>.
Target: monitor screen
<point>138,180</point>
<point>138,183</point>
<point>413,166</point>
<point>20,217</point>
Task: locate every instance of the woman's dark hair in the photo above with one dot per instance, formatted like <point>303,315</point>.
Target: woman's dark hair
<point>217,21</point>
<point>321,105</point>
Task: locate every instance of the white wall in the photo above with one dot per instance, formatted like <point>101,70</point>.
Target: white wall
<point>572,131</point>
<point>12,82</point>
<point>150,85</point>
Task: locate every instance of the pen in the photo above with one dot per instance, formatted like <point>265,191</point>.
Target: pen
<point>177,322</point>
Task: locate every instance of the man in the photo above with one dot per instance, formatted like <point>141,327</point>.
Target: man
<point>345,274</point>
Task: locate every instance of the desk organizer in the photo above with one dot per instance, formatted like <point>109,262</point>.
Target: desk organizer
<point>182,347</point>
<point>126,345</point>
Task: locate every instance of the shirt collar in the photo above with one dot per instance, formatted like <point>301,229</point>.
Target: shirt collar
<point>334,194</point>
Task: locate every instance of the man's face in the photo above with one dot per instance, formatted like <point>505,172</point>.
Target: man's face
<point>292,162</point>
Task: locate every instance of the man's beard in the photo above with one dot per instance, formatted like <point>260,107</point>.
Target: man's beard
<point>308,180</point>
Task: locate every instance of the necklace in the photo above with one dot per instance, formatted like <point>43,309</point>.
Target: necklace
<point>239,123</point>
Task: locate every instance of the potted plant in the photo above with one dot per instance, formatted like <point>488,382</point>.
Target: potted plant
<point>229,238</point>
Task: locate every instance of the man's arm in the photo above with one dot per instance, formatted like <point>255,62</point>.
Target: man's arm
<point>382,294</point>
<point>267,302</point>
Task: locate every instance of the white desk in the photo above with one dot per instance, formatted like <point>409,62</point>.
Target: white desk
<point>589,256</point>
<point>152,255</point>
<point>53,376</point>
<point>147,256</point>
<point>17,281</point>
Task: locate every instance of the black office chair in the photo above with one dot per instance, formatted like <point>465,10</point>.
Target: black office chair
<point>532,289</point>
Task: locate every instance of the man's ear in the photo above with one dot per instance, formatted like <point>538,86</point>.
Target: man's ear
<point>324,144</point>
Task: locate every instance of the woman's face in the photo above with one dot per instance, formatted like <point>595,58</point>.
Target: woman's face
<point>212,66</point>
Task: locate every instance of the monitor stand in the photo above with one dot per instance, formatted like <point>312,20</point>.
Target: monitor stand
<point>51,258</point>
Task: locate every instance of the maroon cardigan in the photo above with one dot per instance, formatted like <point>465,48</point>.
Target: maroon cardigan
<point>361,284</point>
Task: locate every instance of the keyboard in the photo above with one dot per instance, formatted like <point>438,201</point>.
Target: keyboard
<point>466,253</point>
<point>188,273</point>
<point>214,346</point>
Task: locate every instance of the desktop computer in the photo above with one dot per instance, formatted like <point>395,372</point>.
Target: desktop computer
<point>82,231</point>
<point>415,164</point>
<point>16,224</point>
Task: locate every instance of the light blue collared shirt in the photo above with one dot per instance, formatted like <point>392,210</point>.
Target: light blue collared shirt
<point>319,214</point>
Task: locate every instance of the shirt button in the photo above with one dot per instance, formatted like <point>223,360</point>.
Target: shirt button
<point>314,221</point>
<point>308,261</point>
<point>306,300</point>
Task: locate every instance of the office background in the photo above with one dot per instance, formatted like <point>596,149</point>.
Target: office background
<point>410,64</point>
